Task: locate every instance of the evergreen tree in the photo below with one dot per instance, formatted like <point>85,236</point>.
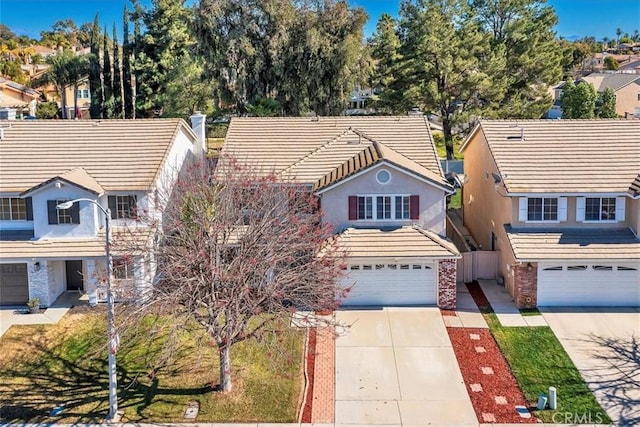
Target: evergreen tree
<point>385,50</point>
<point>578,100</point>
<point>127,88</point>
<point>522,35</point>
<point>606,105</point>
<point>117,78</point>
<point>95,82</point>
<point>107,79</point>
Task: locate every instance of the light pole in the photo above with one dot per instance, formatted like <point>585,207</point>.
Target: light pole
<point>112,336</point>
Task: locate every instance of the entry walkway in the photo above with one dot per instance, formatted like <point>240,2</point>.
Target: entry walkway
<point>504,307</point>
<point>19,315</point>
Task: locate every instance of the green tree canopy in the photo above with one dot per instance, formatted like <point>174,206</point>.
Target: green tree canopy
<point>578,100</point>
<point>606,104</point>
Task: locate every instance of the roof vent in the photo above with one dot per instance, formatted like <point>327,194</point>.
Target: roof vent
<point>517,137</point>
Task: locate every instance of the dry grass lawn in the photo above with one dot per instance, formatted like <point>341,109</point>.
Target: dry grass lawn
<point>48,365</point>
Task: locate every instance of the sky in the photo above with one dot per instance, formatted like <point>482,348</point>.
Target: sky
<point>577,18</point>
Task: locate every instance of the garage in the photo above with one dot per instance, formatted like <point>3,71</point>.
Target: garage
<point>390,284</point>
<point>14,284</point>
<point>603,284</point>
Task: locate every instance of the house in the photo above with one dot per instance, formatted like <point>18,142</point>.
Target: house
<point>380,185</point>
<point>626,88</point>
<point>19,97</point>
<point>560,200</point>
<point>124,165</point>
<point>82,100</point>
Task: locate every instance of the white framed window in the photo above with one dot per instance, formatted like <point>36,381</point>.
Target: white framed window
<point>600,209</point>
<point>82,94</point>
<point>123,269</point>
<point>384,207</point>
<point>123,207</point>
<point>542,209</point>
<point>13,209</point>
<point>64,215</point>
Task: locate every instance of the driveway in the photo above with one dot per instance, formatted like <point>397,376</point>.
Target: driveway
<point>397,367</point>
<point>604,344</point>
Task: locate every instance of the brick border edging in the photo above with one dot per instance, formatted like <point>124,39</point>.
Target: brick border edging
<point>305,405</point>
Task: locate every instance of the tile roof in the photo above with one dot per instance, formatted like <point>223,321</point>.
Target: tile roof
<point>402,242</point>
<point>19,87</point>
<point>124,242</point>
<point>563,156</point>
<point>117,154</point>
<point>305,149</point>
<point>567,244</point>
<point>613,81</point>
<point>78,177</point>
<point>372,153</point>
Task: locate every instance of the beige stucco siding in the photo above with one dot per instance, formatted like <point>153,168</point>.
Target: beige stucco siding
<point>633,215</point>
<point>627,99</point>
<point>432,200</point>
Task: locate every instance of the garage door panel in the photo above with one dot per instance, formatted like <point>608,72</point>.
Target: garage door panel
<point>603,284</point>
<point>14,284</point>
<point>380,285</point>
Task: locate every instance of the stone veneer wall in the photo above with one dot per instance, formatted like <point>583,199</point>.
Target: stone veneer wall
<point>525,288</point>
<point>39,282</point>
<point>447,284</point>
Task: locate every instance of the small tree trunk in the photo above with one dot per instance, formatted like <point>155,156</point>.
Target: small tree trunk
<point>448,137</point>
<point>225,368</point>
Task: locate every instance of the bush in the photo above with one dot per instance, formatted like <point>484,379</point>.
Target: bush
<point>47,110</point>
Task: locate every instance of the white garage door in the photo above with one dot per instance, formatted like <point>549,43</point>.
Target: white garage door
<point>602,284</point>
<point>391,284</point>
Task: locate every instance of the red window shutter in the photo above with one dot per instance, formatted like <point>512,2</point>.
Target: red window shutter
<point>414,207</point>
<point>353,207</point>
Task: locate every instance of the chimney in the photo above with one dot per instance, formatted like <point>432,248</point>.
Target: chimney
<point>198,126</point>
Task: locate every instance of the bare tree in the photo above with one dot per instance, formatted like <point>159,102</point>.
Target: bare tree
<point>240,252</point>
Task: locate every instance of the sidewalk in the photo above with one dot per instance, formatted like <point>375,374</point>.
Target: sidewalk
<point>20,315</point>
<point>505,308</point>
<point>466,314</point>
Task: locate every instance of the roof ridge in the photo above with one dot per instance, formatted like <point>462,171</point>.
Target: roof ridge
<point>317,150</point>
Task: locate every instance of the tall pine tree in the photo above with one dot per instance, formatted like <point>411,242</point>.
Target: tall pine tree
<point>95,81</point>
<point>107,79</point>
<point>117,78</point>
<point>127,88</point>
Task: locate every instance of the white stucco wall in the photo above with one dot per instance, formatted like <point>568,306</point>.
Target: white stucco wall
<point>335,205</point>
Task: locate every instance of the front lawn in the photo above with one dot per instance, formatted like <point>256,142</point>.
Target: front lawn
<point>538,361</point>
<point>47,365</point>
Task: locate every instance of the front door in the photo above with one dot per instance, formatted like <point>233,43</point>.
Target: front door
<point>74,275</point>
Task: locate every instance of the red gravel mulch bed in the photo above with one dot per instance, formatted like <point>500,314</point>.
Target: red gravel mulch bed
<point>310,374</point>
<point>478,296</point>
<point>500,386</point>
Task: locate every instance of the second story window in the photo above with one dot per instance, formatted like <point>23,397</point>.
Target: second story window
<point>82,94</point>
<point>600,209</point>
<point>63,216</point>
<point>384,207</point>
<point>542,209</point>
<point>13,209</point>
<point>123,207</point>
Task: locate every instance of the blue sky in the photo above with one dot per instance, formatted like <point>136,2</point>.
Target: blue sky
<point>577,18</point>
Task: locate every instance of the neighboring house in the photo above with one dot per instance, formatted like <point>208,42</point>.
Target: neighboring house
<point>18,97</point>
<point>626,87</point>
<point>124,165</point>
<point>382,188</point>
<point>560,200</point>
<point>82,100</point>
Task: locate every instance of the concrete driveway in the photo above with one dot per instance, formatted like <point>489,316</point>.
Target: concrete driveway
<point>604,344</point>
<point>397,367</point>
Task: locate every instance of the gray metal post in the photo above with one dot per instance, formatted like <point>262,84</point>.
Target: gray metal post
<point>111,330</point>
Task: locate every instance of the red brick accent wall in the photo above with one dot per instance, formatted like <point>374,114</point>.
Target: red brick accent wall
<point>525,286</point>
<point>447,284</point>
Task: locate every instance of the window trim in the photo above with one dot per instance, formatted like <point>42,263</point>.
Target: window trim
<point>600,220</point>
<point>378,177</point>
<point>10,206</point>
<point>561,209</point>
<point>545,202</point>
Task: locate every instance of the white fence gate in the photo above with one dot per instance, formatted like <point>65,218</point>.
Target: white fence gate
<point>477,265</point>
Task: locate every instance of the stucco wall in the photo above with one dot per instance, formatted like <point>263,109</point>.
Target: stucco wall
<point>14,225</point>
<point>335,204</point>
<point>627,99</point>
<point>633,215</point>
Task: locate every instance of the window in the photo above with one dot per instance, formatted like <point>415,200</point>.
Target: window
<point>82,94</point>
<point>383,176</point>
<point>63,216</point>
<point>542,209</point>
<point>602,267</point>
<point>383,207</point>
<point>576,267</point>
<point>13,209</point>
<point>122,207</point>
<point>622,268</point>
<point>123,269</point>
<point>402,207</point>
<point>600,209</point>
<point>559,268</point>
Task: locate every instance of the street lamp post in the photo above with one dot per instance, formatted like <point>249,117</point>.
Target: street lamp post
<point>112,339</point>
